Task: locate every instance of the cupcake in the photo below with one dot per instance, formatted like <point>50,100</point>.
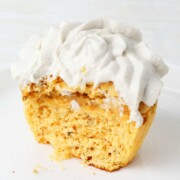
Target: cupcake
<point>90,90</point>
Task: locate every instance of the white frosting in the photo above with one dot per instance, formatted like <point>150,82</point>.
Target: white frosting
<point>96,51</point>
<point>65,92</point>
<point>74,105</point>
<point>108,102</point>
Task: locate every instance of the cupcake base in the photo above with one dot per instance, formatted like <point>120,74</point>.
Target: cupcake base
<point>85,122</point>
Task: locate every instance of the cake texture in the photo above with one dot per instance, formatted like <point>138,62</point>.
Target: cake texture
<point>90,90</point>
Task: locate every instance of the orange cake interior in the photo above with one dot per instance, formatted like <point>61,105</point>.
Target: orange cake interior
<point>85,122</point>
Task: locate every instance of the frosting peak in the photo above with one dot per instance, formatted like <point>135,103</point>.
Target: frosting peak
<point>97,51</point>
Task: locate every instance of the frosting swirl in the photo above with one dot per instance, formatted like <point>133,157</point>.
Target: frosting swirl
<point>97,51</point>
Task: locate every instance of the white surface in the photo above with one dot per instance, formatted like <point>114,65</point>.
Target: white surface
<point>159,21</point>
<point>159,157</point>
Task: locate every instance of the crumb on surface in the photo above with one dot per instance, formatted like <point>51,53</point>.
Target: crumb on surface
<point>35,171</point>
<point>83,69</point>
<point>38,168</point>
<point>62,166</point>
<point>55,158</point>
<point>94,173</point>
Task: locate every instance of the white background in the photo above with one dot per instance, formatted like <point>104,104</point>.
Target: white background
<point>159,21</point>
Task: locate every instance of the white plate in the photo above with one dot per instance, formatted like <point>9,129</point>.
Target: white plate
<point>158,158</point>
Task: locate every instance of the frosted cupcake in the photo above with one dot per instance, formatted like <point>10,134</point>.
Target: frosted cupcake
<point>90,90</point>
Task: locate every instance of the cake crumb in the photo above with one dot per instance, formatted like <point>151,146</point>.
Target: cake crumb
<point>94,173</point>
<point>35,171</point>
<point>55,158</point>
<point>62,166</point>
<point>52,157</point>
<point>13,172</point>
<point>38,168</point>
<point>83,69</point>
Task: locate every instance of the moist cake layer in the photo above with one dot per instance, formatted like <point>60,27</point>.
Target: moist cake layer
<point>83,124</point>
